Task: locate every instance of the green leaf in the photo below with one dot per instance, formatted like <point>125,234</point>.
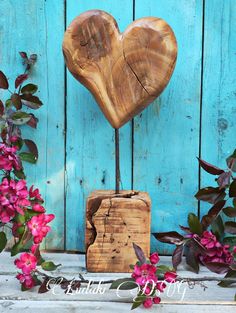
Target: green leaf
<point>20,219</point>
<point>230,227</point>
<point>230,211</point>
<point>32,147</point>
<point>16,101</point>
<point>161,269</point>
<point>19,174</point>
<point>3,241</point>
<point>194,224</point>
<point>20,118</point>
<point>230,274</point>
<point>138,301</point>
<point>29,89</point>
<point>8,103</point>
<point>28,157</point>
<point>17,248</point>
<point>231,241</point>
<point>30,101</point>
<point>232,189</point>
<point>124,284</point>
<point>49,266</point>
<point>218,227</point>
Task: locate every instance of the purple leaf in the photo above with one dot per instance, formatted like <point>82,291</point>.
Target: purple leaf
<point>209,168</point>
<point>210,194</point>
<point>171,237</point>
<point>230,211</point>
<point>231,161</point>
<point>20,79</point>
<point>33,121</point>
<point>231,274</point>
<point>230,227</point>
<point>1,108</point>
<point>139,253</point>
<point>212,213</point>
<point>224,180</point>
<point>191,257</point>
<point>219,268</point>
<point>31,101</point>
<point>32,147</point>
<point>177,256</point>
<point>185,229</point>
<point>3,81</point>
<point>232,189</point>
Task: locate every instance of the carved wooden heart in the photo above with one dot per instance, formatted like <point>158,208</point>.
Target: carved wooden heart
<point>124,71</point>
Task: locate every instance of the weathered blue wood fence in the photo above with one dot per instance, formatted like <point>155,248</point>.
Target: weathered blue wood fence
<point>194,116</point>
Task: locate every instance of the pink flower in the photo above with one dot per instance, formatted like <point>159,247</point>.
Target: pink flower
<point>147,290</point>
<point>147,303</point>
<point>38,208</point>
<point>26,280</point>
<point>208,240</point>
<point>170,277</point>
<point>161,286</point>
<point>38,226</point>
<point>154,258</point>
<point>156,300</point>
<point>13,198</point>
<point>27,263</point>
<point>34,193</point>
<point>8,158</point>
<point>146,273</point>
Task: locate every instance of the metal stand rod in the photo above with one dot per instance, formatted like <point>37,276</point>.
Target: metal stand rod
<point>117,149</point>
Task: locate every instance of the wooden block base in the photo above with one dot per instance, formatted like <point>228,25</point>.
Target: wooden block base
<point>113,223</point>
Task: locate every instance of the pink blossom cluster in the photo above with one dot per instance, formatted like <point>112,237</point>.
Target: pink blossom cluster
<point>145,275</point>
<point>13,198</point>
<point>38,226</point>
<point>9,160</point>
<point>27,264</point>
<point>216,252</point>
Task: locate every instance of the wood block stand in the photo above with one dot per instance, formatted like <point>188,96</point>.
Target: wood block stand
<point>113,223</point>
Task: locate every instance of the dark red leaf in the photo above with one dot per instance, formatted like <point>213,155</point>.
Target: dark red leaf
<point>31,101</point>
<point>232,189</point>
<point>32,147</point>
<point>230,227</point>
<point>20,79</point>
<point>224,180</point>
<point>44,286</point>
<point>230,274</point>
<point>217,227</point>
<point>230,211</point>
<point>16,100</point>
<point>231,161</point>
<point>185,229</point>
<point>212,213</point>
<point>210,194</point>
<point>177,256</point>
<point>191,257</point>
<point>23,55</point>
<point>209,168</point>
<point>219,268</point>
<point>171,237</point>
<point>3,81</point>
<point>139,253</point>
<point>1,108</point>
<point>33,121</point>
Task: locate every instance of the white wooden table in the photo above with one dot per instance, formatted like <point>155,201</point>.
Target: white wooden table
<point>194,300</point>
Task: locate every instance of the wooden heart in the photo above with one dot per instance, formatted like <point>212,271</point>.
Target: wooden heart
<point>124,71</point>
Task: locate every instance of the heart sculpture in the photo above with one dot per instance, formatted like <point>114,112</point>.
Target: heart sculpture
<point>126,71</point>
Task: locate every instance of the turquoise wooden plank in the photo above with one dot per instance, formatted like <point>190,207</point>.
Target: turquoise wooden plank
<point>37,27</point>
<point>90,138</point>
<point>219,101</point>
<point>166,134</point>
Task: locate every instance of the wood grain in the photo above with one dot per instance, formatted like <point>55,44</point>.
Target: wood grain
<point>125,72</point>
<point>113,223</point>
